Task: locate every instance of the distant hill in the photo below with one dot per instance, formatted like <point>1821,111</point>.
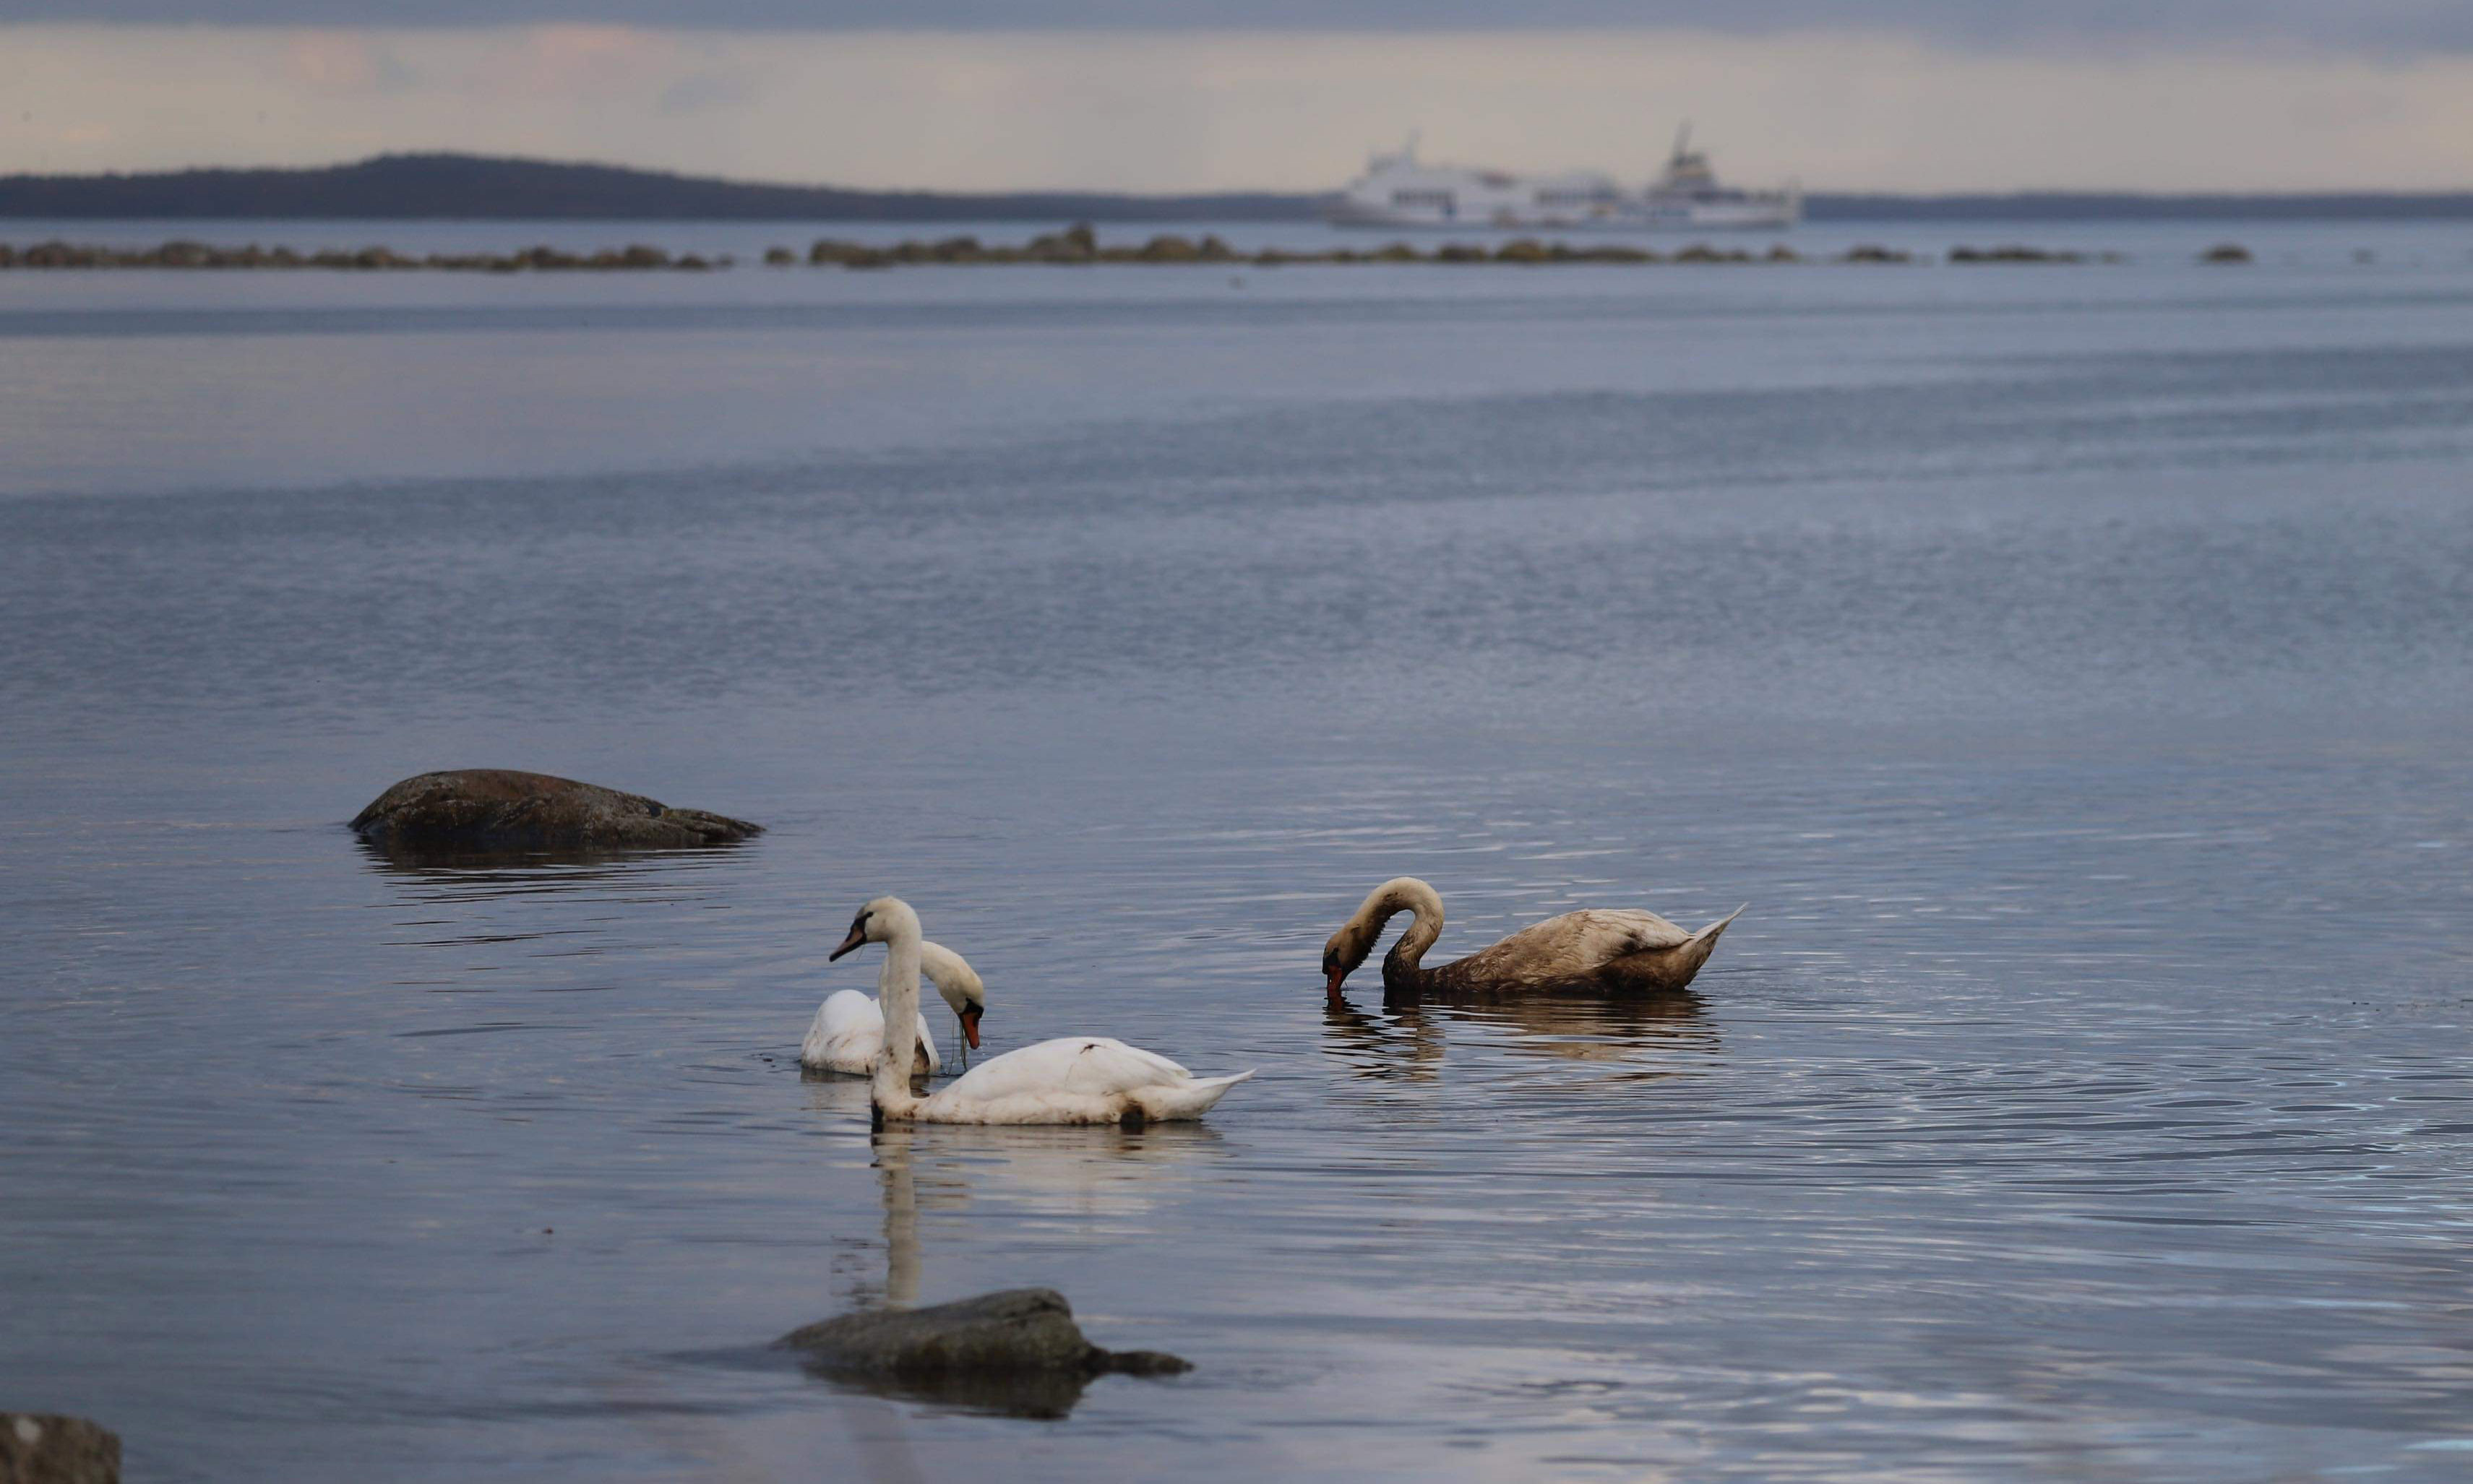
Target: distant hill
<point>471,186</point>
<point>2112,207</point>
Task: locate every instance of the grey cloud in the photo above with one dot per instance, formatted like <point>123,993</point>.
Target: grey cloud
<point>2383,26</point>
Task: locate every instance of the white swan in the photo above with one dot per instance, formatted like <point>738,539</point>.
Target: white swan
<point>1078,1079</point>
<point>849,1028</point>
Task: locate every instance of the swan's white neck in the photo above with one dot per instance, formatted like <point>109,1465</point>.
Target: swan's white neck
<point>897,993</point>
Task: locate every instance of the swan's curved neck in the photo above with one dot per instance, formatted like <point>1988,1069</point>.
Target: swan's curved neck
<point>897,993</point>
<point>1408,894</point>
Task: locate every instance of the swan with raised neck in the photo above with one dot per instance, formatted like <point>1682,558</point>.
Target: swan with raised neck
<point>1074,1079</point>
<point>1595,950</point>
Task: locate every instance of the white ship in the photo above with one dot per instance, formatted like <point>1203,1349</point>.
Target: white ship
<point>1400,190</point>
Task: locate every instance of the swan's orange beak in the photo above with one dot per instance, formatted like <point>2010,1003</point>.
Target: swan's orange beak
<point>1338,975</point>
<point>857,936</point>
<point>970,1025</point>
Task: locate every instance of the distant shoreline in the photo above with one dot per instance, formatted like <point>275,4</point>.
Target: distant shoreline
<point>1077,246</point>
<point>465,187</point>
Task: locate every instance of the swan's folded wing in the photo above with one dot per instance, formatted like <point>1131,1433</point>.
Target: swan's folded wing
<point>1613,934</point>
<point>1096,1066</point>
<point>847,1010</point>
<point>1576,947</point>
<point>1108,1065</point>
<point>847,1033</point>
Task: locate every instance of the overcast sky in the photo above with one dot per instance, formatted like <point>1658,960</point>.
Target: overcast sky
<point>2402,25</point>
<point>1284,94</point>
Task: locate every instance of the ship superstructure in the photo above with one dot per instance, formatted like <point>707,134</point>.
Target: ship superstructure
<point>1399,190</point>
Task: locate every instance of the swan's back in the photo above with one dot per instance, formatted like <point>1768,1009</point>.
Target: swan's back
<point>848,1032</point>
<point>1576,945</point>
<point>1080,1065</point>
<point>1077,1079</point>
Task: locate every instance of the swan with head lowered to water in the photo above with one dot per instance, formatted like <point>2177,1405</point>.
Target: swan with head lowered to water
<point>1584,953</point>
<point>849,1028</point>
<point>1077,1079</point>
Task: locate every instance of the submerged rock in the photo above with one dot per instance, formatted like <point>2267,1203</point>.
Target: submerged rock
<point>501,809</point>
<point>1018,1350</point>
<point>43,1447</point>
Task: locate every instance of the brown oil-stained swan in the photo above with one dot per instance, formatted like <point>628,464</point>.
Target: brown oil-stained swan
<point>1078,1079</point>
<point>1590,952</point>
<point>849,1028</point>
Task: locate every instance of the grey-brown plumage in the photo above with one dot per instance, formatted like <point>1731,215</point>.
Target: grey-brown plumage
<point>1595,950</point>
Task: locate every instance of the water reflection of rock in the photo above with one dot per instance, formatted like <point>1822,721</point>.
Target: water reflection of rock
<point>1406,1040</point>
<point>506,905</point>
<point>1017,1177</point>
<point>510,871</point>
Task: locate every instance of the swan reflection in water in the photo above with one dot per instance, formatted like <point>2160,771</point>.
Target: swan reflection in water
<point>1640,1035</point>
<point>1061,1179</point>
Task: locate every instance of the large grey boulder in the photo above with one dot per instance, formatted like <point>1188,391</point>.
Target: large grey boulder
<point>43,1447</point>
<point>501,809</point>
<point>1017,1351</point>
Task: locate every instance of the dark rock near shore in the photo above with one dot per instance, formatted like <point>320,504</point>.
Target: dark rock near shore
<point>44,1448</point>
<point>2011,253</point>
<point>1077,244</point>
<point>482,809</point>
<point>1016,1351</point>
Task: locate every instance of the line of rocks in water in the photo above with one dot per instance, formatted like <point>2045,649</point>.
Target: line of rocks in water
<point>1079,245</point>
<point>1074,246</point>
<point>198,255</point>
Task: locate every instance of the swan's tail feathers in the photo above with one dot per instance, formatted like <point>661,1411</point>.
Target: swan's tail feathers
<point>1709,933</point>
<point>1679,966</point>
<point>1188,1099</point>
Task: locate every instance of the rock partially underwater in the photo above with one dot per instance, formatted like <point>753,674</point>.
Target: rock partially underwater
<point>42,1447</point>
<point>1016,1351</point>
<point>496,810</point>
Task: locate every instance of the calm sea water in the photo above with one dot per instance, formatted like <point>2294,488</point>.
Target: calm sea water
<point>2071,667</point>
